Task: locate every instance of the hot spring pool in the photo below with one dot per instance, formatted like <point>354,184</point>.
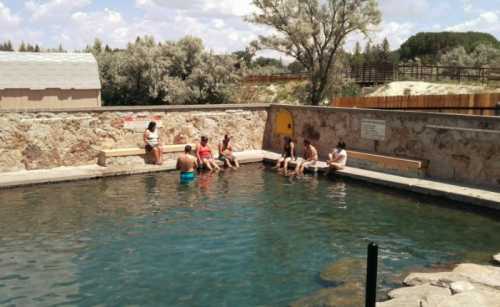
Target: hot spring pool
<point>244,238</point>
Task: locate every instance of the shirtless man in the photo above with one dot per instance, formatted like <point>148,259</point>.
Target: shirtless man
<point>187,164</point>
<point>310,158</point>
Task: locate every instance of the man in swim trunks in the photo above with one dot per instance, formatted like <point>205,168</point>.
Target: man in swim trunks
<point>310,158</point>
<point>187,164</point>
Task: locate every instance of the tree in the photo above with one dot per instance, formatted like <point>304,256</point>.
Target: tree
<point>6,46</point>
<point>357,58</point>
<point>430,46</point>
<point>314,33</point>
<point>22,47</point>
<point>296,67</point>
<point>385,52</point>
<point>37,48</point>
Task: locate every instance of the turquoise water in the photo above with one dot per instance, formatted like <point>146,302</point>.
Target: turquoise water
<point>244,238</point>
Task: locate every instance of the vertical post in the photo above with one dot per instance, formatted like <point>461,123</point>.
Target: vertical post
<point>371,275</point>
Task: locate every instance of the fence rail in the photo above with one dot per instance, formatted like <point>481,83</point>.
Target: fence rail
<point>379,74</point>
<point>477,104</point>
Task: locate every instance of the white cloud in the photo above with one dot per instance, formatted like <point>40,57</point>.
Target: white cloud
<point>54,8</point>
<point>485,22</point>
<point>405,8</point>
<point>8,20</point>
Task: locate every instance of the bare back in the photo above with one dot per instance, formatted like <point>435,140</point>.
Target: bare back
<point>186,163</point>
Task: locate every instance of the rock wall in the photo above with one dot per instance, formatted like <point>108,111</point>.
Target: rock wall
<point>459,148</point>
<point>40,140</point>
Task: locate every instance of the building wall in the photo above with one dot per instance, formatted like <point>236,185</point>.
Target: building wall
<point>25,99</point>
<point>47,139</point>
<point>460,148</point>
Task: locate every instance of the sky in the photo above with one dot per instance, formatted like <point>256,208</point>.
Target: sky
<point>220,23</point>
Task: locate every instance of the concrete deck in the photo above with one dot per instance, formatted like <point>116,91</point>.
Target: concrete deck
<point>73,173</point>
<point>469,195</point>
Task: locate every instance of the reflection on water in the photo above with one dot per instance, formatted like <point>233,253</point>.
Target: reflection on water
<point>242,238</point>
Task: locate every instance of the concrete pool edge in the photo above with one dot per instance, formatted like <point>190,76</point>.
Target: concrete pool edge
<point>469,195</point>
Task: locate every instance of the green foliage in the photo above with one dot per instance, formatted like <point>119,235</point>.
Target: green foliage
<point>373,55</point>
<point>296,67</point>
<point>313,32</point>
<point>481,56</point>
<point>428,47</point>
<point>147,73</point>
<point>6,46</point>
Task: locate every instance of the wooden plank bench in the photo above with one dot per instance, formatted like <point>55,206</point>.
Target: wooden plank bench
<point>135,151</point>
<point>387,164</point>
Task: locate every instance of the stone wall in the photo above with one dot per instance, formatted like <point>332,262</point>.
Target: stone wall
<point>459,148</point>
<point>47,139</point>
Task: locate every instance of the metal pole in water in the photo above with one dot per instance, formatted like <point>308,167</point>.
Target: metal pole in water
<point>371,275</point>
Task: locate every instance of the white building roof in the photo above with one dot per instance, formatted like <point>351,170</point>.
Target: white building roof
<point>39,70</point>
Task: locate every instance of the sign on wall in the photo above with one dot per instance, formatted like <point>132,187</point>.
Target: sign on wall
<point>141,122</point>
<point>373,129</point>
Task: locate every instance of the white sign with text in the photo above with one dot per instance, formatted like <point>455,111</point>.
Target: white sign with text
<point>373,129</point>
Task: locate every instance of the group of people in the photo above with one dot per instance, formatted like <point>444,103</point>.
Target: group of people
<point>188,162</point>
<point>203,157</point>
<point>337,158</point>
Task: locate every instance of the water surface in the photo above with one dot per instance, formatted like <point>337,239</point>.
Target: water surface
<point>244,238</point>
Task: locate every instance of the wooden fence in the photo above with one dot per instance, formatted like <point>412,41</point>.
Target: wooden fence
<point>384,73</point>
<point>477,104</point>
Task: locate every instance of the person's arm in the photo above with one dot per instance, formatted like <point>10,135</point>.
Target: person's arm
<point>178,165</point>
<point>314,154</point>
<point>195,163</point>
<point>145,137</point>
<point>198,152</point>
<point>220,149</point>
<point>292,151</point>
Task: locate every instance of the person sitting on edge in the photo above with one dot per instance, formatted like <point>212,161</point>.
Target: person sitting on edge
<point>205,156</point>
<point>226,153</point>
<point>310,158</point>
<point>152,142</point>
<point>337,159</point>
<point>289,154</point>
<point>187,164</point>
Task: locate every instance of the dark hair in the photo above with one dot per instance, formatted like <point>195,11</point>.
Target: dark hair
<point>188,148</point>
<point>307,142</point>
<point>288,139</point>
<point>204,138</point>
<point>341,145</point>
<point>152,126</point>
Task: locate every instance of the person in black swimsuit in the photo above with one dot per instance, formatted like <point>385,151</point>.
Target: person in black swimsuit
<point>288,154</point>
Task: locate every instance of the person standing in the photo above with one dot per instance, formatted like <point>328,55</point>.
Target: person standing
<point>187,164</point>
<point>226,153</point>
<point>152,142</point>
<point>310,158</point>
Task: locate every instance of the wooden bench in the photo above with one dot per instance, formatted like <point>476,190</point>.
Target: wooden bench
<point>126,152</point>
<point>387,164</point>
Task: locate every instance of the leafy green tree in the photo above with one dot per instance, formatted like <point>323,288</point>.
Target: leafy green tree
<point>357,58</point>
<point>430,46</point>
<point>165,73</point>
<point>22,47</point>
<point>296,67</point>
<point>314,33</point>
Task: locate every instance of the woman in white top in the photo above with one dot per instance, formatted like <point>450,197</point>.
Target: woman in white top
<point>152,142</point>
<point>337,159</point>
